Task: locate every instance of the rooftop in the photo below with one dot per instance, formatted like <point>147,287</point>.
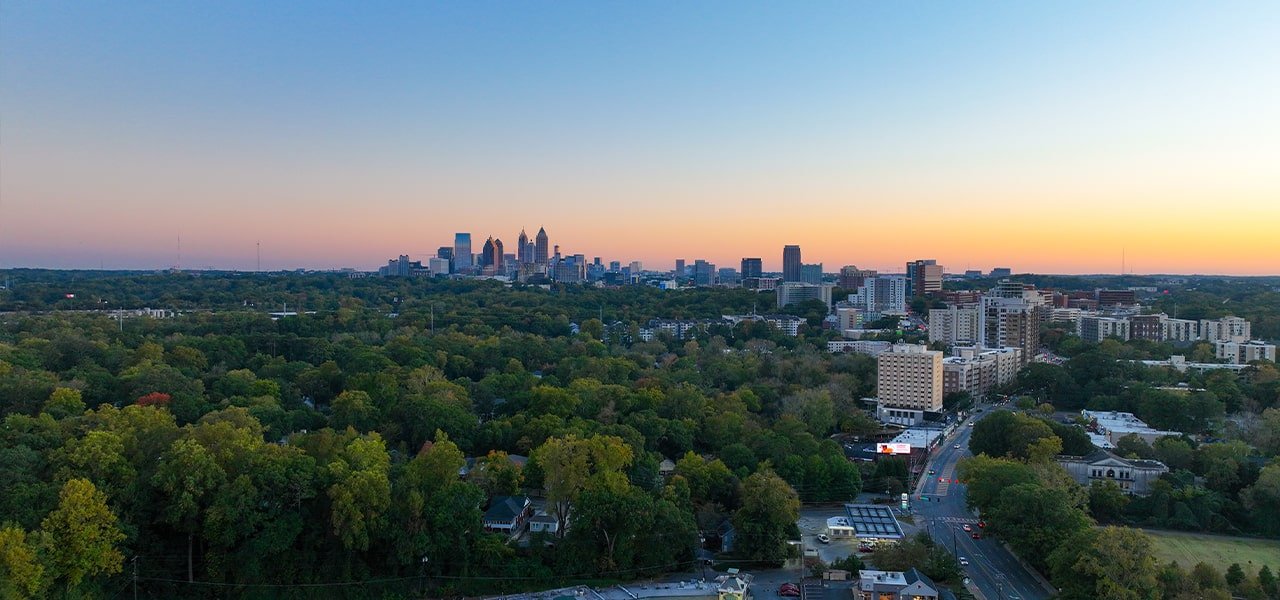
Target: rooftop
<point>868,521</point>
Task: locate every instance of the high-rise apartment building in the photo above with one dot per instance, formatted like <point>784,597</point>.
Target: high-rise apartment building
<point>925,277</point>
<point>795,292</point>
<point>791,263</point>
<point>882,294</point>
<point>752,267</point>
<point>1242,353</point>
<point>461,252</point>
<point>1010,315</point>
<point>679,272</point>
<point>910,376</point>
<point>1226,329</point>
<point>978,370</point>
<point>954,325</point>
<point>811,273</point>
<point>540,247</point>
<point>1094,328</point>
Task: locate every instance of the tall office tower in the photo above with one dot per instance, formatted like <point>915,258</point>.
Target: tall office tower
<point>752,267</point>
<point>636,268</point>
<point>445,252</point>
<point>924,276</point>
<point>615,266</point>
<point>555,256</point>
<point>486,254</point>
<point>1010,315</point>
<point>522,248</point>
<point>540,247</point>
<point>461,252</point>
<point>909,376</point>
<point>852,278</point>
<point>704,273</point>
<point>596,261</point>
<point>496,259</point>
<point>679,272</point>
<point>791,263</point>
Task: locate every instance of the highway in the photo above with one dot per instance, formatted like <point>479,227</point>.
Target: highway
<point>994,570</point>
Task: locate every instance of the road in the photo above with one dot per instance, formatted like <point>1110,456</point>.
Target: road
<point>994,570</point>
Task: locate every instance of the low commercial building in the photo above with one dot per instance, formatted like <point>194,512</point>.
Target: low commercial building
<point>865,522</point>
<point>1115,425</point>
<point>1132,476</point>
<point>898,585</point>
<point>795,293</point>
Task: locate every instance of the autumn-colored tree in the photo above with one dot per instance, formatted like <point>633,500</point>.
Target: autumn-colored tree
<point>154,399</point>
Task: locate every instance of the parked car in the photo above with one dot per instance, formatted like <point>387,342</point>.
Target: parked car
<point>822,537</point>
<point>789,589</point>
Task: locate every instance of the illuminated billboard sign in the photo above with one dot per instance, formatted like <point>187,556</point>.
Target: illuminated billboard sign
<point>893,448</point>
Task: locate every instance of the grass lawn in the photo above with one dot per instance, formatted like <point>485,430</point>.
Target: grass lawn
<point>1217,550</point>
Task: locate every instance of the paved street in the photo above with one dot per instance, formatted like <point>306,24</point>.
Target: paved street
<point>996,572</point>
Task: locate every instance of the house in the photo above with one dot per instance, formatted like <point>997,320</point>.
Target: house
<point>734,586</point>
<point>508,514</point>
<point>666,468</point>
<point>544,519</point>
<point>898,585</point>
<point>727,534</point>
<point>1134,477</point>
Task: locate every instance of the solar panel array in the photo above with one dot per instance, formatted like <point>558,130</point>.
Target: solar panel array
<point>869,520</point>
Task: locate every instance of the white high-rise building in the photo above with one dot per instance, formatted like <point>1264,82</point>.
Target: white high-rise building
<point>1226,329</point>
<point>954,326</point>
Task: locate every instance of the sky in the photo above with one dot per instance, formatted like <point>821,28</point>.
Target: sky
<point>1050,137</point>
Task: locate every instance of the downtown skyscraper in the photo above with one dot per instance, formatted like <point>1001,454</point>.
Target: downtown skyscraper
<point>791,263</point>
<point>540,247</point>
<point>461,252</point>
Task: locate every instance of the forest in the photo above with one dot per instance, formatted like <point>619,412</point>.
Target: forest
<point>221,450</point>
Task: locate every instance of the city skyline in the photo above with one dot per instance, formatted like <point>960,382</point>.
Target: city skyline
<point>1050,138</point>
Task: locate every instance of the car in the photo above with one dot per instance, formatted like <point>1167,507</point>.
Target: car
<point>967,527</point>
<point>964,562</point>
<point>933,472</point>
<point>976,535</point>
<point>982,523</point>
<point>957,446</point>
<point>789,589</point>
<point>866,548</point>
<point>822,537</point>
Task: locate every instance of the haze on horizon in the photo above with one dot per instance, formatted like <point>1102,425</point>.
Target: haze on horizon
<point>1046,137</point>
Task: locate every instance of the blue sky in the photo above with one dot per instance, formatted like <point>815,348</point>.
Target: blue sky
<point>347,132</point>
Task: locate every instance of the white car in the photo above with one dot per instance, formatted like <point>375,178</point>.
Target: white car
<point>964,562</point>
<point>822,537</point>
<point>957,446</point>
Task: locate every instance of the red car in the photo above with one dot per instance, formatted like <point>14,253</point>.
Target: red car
<point>789,589</point>
<point>982,523</point>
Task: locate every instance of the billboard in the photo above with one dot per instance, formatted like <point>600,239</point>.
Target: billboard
<point>893,448</point>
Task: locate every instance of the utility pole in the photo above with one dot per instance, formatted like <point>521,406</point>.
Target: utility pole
<point>135,578</point>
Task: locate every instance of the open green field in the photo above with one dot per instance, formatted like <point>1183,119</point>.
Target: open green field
<point>1217,550</point>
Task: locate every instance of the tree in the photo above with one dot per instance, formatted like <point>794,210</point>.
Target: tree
<point>1267,582</point>
<point>361,491</point>
<point>1111,563</point>
<point>1235,576</point>
<point>79,537</point>
<point>64,402</point>
<point>355,409</point>
<point>571,463</point>
<point>1106,501</point>
<point>767,518</point>
<point>988,477</point>
<point>188,474</point>
<point>21,574</point>
<point>1033,519</point>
